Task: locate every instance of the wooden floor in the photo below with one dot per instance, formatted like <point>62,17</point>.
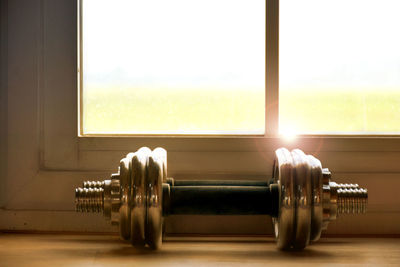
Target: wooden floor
<point>104,250</point>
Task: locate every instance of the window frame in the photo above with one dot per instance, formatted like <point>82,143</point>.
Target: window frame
<point>46,154</point>
<point>80,148</point>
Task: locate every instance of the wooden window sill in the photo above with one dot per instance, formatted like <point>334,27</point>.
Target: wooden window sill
<point>108,250</point>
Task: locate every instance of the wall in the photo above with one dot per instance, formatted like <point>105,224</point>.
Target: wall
<point>3,99</point>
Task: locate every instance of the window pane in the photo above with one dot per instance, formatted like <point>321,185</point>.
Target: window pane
<point>173,66</point>
<point>340,66</point>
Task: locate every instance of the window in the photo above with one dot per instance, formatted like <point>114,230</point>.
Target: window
<point>199,67</point>
<point>173,67</point>
<point>41,67</point>
<point>339,66</point>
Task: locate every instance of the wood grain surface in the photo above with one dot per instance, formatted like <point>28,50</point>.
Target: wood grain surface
<point>108,250</point>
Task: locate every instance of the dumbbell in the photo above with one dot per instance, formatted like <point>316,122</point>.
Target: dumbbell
<point>300,198</point>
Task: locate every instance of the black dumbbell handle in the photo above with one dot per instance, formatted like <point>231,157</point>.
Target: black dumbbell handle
<point>219,183</point>
<point>172,182</point>
<point>221,200</point>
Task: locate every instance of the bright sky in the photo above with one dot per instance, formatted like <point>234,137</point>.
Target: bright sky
<point>325,45</point>
<point>175,43</point>
<point>339,44</point>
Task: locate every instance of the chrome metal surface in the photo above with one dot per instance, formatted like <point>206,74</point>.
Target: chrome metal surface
<point>124,209</point>
<point>352,200</point>
<point>302,184</point>
<point>115,198</point>
<point>107,199</point>
<point>93,184</point>
<point>316,196</point>
<point>155,177</point>
<point>283,175</point>
<point>89,199</point>
<point>138,205</point>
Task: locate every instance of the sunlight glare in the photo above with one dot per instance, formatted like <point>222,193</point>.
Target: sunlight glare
<point>288,134</point>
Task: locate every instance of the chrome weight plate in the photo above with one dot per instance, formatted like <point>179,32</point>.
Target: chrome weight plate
<point>138,166</point>
<point>155,178</point>
<point>316,210</point>
<point>124,210</point>
<point>283,176</point>
<point>303,200</point>
<point>161,155</point>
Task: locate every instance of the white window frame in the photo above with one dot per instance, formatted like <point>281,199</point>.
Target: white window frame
<point>59,156</point>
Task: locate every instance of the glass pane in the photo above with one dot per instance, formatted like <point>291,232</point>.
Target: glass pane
<point>173,66</point>
<point>339,66</point>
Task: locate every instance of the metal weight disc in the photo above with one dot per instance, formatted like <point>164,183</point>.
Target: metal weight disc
<point>316,210</point>
<point>283,176</point>
<point>155,177</point>
<point>124,210</point>
<point>302,185</point>
<point>161,155</point>
<point>138,167</point>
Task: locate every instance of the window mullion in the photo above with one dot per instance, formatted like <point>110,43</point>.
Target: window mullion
<point>272,68</point>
